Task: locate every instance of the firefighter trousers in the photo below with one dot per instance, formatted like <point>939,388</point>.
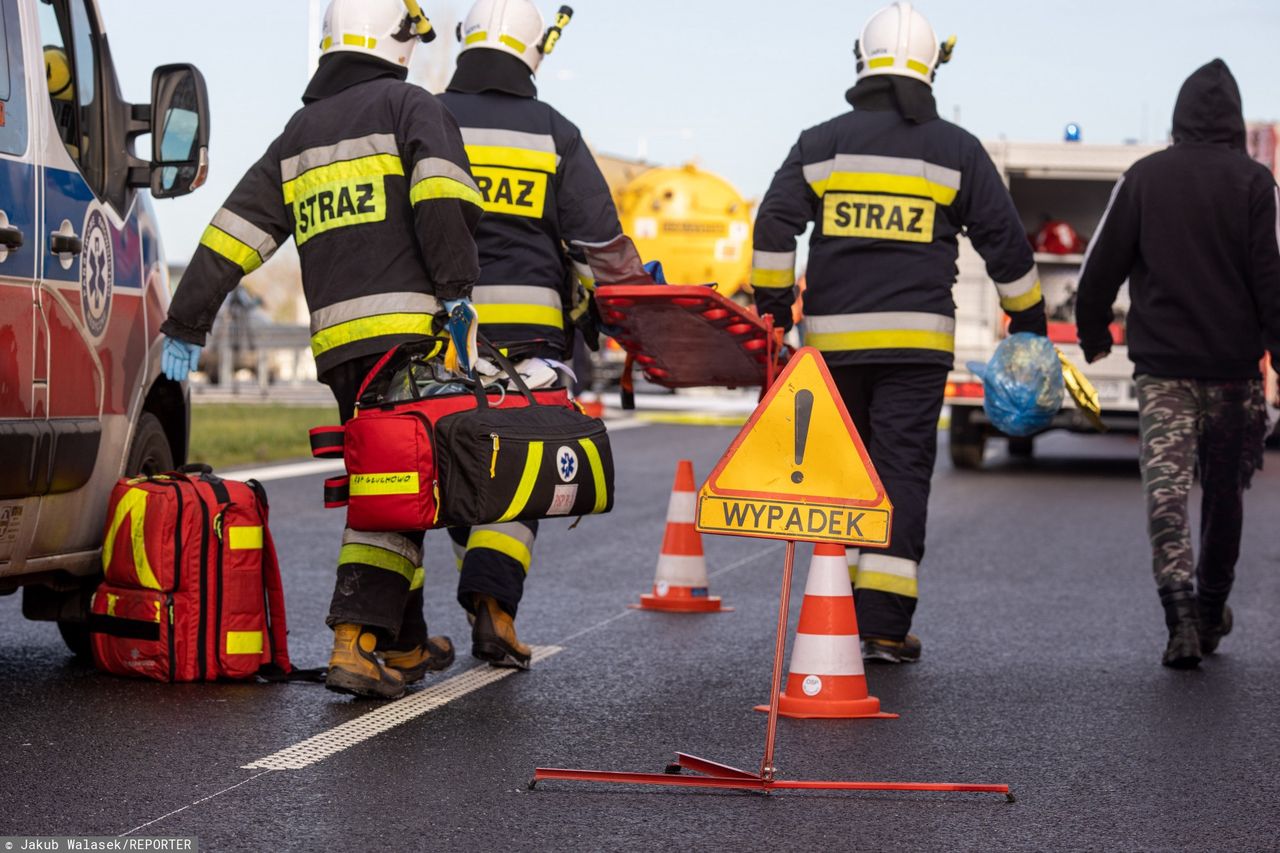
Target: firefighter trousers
<point>493,559</point>
<point>379,582</point>
<point>895,408</point>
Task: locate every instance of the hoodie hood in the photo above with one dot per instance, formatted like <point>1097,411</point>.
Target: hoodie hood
<point>1208,108</point>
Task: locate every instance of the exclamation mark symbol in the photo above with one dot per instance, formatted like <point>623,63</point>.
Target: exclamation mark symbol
<point>804,409</point>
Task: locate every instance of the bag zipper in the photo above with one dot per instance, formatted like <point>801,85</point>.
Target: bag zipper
<point>173,664</point>
<point>219,528</point>
<point>493,461</point>
<point>202,653</point>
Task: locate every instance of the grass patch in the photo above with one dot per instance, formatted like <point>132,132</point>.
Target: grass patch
<point>240,434</point>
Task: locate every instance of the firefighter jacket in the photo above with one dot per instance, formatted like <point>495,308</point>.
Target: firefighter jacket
<point>887,198</point>
<point>371,181</point>
<point>550,230</point>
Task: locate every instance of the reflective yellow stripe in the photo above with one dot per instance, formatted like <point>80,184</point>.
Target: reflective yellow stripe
<point>245,538</point>
<point>133,505</point>
<point>918,67</point>
<point>372,166</point>
<point>880,62</point>
<point>156,617</point>
<point>887,583</point>
<point>111,603</point>
<point>513,43</point>
<point>244,642</point>
<point>359,41</point>
<point>772,278</point>
<point>419,577</point>
<point>379,558</point>
<point>532,463</point>
<point>369,327</point>
<point>883,182</point>
<point>503,544</point>
<point>515,158</point>
<point>390,483</point>
<point>224,245</point>
<point>475,37</point>
<point>432,188</point>
<point>1022,302</point>
<point>887,339</point>
<point>525,315</point>
<point>597,474</point>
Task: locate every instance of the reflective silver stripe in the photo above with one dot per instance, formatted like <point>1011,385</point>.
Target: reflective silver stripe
<point>509,139</point>
<point>437,167</point>
<point>514,529</point>
<point>347,149</point>
<point>393,542</point>
<point>1026,284</point>
<point>880,321</point>
<point>371,306</point>
<point>1115,191</point>
<point>886,565</point>
<point>515,294</point>
<point>245,231</point>
<point>762,260</point>
<point>861,163</point>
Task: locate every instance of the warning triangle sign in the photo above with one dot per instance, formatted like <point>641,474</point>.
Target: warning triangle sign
<point>798,469</point>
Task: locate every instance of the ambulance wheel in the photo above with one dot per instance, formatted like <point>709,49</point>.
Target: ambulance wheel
<point>76,636</point>
<point>150,452</point>
<point>967,441</point>
<point>1022,447</point>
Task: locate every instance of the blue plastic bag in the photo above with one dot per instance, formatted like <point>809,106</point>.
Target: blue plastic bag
<point>1022,384</point>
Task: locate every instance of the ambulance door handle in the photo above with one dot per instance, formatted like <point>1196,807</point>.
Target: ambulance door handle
<point>10,237</point>
<point>65,244</point>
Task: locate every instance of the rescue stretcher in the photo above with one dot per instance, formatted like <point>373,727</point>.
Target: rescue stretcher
<point>689,336</point>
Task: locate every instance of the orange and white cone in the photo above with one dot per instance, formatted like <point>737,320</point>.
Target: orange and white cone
<point>826,678</point>
<point>680,583</point>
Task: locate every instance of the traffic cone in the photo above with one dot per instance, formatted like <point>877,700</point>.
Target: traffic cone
<point>680,583</point>
<point>826,678</point>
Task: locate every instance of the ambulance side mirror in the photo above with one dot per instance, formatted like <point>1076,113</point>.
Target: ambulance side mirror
<point>179,130</point>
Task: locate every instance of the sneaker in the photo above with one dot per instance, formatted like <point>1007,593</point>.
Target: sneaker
<point>354,667</point>
<point>1211,635</point>
<point>493,636</point>
<point>879,650</point>
<point>414,663</point>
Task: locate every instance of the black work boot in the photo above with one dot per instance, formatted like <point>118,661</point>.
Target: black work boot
<point>1183,618</point>
<point>880,650</point>
<point>1216,621</point>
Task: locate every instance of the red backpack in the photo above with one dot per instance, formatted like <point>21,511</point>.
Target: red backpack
<point>192,588</point>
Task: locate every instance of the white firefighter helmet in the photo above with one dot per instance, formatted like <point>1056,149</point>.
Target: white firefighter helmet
<point>511,26</point>
<point>899,40</point>
<point>387,29</point>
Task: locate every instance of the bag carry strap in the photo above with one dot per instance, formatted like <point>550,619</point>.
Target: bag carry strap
<point>280,668</point>
<point>328,442</point>
<point>337,492</point>
<point>482,396</point>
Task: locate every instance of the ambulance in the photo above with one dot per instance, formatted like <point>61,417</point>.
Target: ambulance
<point>83,290</point>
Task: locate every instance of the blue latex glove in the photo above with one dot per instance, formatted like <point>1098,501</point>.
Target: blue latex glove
<point>463,327</point>
<point>178,359</point>
<point>654,269</point>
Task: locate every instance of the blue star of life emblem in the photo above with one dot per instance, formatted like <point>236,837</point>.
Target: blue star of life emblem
<point>567,463</point>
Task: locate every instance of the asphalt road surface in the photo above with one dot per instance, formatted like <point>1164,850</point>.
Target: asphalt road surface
<point>1042,638</point>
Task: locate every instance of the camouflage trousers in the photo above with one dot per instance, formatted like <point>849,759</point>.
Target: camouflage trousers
<point>1214,430</point>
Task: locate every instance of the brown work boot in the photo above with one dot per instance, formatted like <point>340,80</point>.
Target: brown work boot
<point>493,635</point>
<point>355,669</point>
<point>880,650</point>
<point>416,662</point>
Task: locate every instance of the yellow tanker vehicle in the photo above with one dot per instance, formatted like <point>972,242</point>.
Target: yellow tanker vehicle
<point>695,222</point>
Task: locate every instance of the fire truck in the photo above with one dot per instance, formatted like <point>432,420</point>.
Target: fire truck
<point>83,290</point>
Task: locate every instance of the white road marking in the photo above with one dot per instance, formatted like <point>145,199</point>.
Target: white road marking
<point>288,470</point>
<point>319,747</point>
<point>196,803</point>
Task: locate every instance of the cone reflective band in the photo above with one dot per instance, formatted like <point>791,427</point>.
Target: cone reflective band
<point>327,442</point>
<point>826,678</point>
<point>680,582</point>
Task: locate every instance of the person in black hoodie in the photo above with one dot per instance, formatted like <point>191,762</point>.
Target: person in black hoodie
<point>1193,229</point>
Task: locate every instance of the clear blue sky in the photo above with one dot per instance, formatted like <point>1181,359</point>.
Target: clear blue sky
<point>732,82</point>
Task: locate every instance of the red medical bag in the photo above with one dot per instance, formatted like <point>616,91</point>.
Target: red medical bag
<point>192,588</point>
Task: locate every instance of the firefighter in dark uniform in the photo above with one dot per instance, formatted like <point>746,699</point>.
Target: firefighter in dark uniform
<point>549,234</point>
<point>889,186</point>
<point>371,180</point>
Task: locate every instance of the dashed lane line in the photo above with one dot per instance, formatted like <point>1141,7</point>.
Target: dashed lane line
<point>319,747</point>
